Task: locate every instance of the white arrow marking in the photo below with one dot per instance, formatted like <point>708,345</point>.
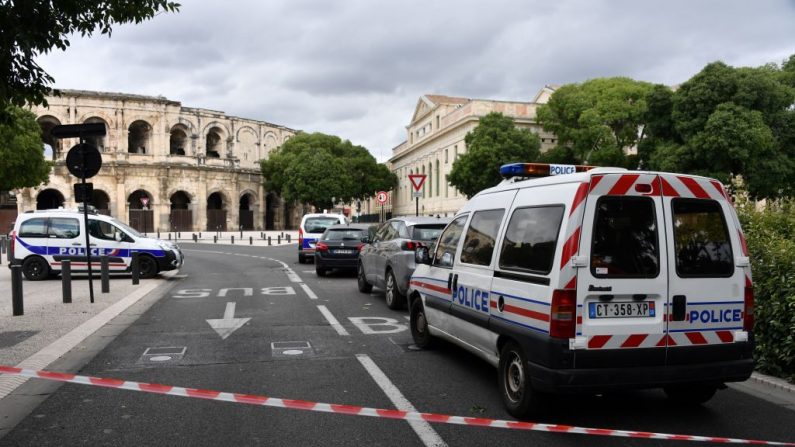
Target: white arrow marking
<point>225,326</point>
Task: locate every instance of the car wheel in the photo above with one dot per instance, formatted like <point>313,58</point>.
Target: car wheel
<point>320,271</point>
<point>691,394</point>
<point>301,259</point>
<point>35,268</point>
<point>514,380</point>
<point>419,325</point>
<point>364,286</point>
<point>394,299</point>
<point>147,267</point>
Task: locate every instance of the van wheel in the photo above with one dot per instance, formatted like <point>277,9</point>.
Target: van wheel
<point>301,259</point>
<point>364,286</point>
<point>394,299</point>
<point>35,268</point>
<point>691,394</point>
<point>514,380</point>
<point>419,325</point>
<point>147,267</point>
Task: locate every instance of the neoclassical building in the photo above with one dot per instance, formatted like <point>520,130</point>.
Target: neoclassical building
<point>435,138</point>
<point>165,167</point>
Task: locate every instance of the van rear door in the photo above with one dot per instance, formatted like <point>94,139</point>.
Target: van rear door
<point>622,285</point>
<point>707,290</point>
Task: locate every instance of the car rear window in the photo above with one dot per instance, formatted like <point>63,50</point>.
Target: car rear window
<point>319,224</point>
<point>427,232</point>
<point>344,234</point>
<point>625,240</point>
<point>701,239</point>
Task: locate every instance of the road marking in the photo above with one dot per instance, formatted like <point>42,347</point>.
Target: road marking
<point>309,291</point>
<point>332,321</point>
<point>228,324</point>
<point>427,434</point>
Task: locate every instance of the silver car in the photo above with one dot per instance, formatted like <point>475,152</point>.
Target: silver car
<point>387,258</point>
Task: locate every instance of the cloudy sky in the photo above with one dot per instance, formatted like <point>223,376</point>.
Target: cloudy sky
<point>356,68</point>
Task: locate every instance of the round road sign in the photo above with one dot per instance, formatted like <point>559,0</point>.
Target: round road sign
<point>83,160</point>
<point>381,197</point>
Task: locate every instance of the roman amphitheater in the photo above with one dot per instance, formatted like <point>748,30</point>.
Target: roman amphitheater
<point>165,167</point>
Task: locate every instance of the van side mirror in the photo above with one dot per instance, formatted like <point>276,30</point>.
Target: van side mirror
<point>421,256</point>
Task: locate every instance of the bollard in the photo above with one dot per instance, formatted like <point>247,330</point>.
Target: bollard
<point>194,238</point>
<point>158,234</point>
<point>288,238</point>
<point>200,234</point>
<point>233,239</point>
<point>169,236</point>
<point>261,235</point>
<point>215,239</point>
<point>269,240</point>
<point>241,235</point>
<point>250,240</point>
<point>279,239</point>
<point>105,273</point>
<point>134,268</point>
<point>2,249</point>
<point>66,281</point>
<point>179,235</point>
<point>16,290</point>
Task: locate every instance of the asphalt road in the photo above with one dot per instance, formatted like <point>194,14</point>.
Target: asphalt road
<point>289,349</point>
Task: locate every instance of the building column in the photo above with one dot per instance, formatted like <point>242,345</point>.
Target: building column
<point>201,203</point>
<point>259,215</point>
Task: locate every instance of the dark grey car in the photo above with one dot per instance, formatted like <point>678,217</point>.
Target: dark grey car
<point>387,259</point>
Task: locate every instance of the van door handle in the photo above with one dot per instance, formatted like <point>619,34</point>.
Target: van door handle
<point>455,281</point>
<point>679,305</point>
<point>76,244</point>
<point>449,281</point>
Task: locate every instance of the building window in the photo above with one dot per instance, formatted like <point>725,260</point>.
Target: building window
<point>446,153</point>
<point>436,177</point>
<point>438,122</point>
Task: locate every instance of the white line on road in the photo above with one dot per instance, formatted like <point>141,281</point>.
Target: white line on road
<point>427,434</point>
<point>309,292</point>
<point>332,321</point>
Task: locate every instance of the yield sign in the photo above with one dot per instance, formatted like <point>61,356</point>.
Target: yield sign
<point>417,180</point>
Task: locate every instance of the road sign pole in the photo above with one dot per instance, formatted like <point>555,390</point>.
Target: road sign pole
<point>417,203</point>
<point>85,219</point>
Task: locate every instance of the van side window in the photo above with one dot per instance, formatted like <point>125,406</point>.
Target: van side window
<point>531,238</point>
<point>36,227</point>
<point>481,236</point>
<point>64,228</point>
<point>448,242</point>
<point>625,241</point>
<point>104,230</point>
<point>701,239</point>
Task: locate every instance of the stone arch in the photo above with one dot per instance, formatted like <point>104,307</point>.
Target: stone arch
<point>181,211</point>
<point>247,210</point>
<point>48,199</point>
<point>139,137</point>
<point>141,219</point>
<point>214,142</point>
<point>272,207</point>
<point>53,147</point>
<point>247,144</point>
<point>269,143</point>
<point>99,142</point>
<point>101,201</point>
<point>178,139</point>
<point>217,203</point>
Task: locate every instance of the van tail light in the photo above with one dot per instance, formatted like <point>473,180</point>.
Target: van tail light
<point>320,246</point>
<point>300,237</point>
<point>410,245</point>
<point>13,235</point>
<point>564,312</point>
<point>748,315</point>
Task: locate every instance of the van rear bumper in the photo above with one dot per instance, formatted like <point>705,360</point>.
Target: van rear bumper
<point>606,379</point>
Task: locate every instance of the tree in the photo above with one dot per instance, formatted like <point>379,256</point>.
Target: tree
<point>32,27</point>
<point>22,162</point>
<point>321,170</point>
<point>597,120</point>
<point>494,142</point>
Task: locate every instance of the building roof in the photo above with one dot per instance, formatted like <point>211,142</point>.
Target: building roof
<point>442,99</point>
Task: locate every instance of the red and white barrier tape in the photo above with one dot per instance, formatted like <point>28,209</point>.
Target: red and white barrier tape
<point>361,411</point>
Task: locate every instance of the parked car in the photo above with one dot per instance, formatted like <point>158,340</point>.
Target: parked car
<point>338,247</point>
<point>387,259</point>
<point>311,228</point>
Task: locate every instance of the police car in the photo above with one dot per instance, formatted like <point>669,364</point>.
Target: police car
<point>41,240</point>
<point>592,279</point>
<point>312,227</point>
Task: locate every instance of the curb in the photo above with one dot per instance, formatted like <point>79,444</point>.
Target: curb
<point>774,382</point>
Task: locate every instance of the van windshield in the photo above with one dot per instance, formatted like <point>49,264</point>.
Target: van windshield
<point>128,229</point>
<point>319,224</point>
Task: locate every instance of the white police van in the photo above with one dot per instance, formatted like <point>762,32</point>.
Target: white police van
<point>590,281</point>
<point>312,227</point>
<point>41,240</point>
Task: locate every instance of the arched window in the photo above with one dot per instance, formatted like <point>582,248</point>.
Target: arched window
<point>138,137</point>
<point>99,142</point>
<point>213,143</point>
<point>178,140</point>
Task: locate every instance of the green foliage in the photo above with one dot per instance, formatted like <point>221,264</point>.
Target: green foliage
<point>33,27</point>
<point>770,235</point>
<point>494,142</point>
<point>322,169</point>
<point>22,162</point>
<point>725,122</point>
<point>597,119</point>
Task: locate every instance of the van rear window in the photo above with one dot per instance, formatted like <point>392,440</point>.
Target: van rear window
<point>36,227</point>
<point>625,240</point>
<point>701,239</point>
<point>319,224</point>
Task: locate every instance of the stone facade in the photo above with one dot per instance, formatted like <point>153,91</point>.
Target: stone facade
<point>435,138</point>
<point>165,167</point>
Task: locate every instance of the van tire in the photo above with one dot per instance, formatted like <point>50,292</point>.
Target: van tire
<point>518,395</point>
<point>419,325</point>
<point>361,280</point>
<point>301,259</point>
<point>147,267</point>
<point>35,268</point>
<point>691,394</point>
<point>394,299</point>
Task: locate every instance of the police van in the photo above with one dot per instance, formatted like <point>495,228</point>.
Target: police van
<point>592,279</point>
<point>42,240</point>
<point>312,227</point>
